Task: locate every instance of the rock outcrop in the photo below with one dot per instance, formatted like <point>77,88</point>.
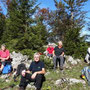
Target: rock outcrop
<point>18,58</point>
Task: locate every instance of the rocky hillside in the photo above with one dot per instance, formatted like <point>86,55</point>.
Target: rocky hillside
<point>68,79</point>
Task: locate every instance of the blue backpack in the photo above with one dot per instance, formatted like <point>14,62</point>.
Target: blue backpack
<point>7,69</point>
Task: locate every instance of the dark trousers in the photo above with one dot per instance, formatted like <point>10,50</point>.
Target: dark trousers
<point>61,60</point>
<point>27,79</point>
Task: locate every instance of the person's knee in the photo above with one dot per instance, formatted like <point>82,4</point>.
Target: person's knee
<point>61,57</point>
<point>3,63</point>
<point>39,76</point>
<point>54,58</point>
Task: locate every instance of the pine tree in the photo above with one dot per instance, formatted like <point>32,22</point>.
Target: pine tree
<point>23,32</point>
<point>68,20</point>
<point>2,25</point>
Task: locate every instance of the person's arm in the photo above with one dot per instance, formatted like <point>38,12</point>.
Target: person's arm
<point>46,51</point>
<point>1,58</point>
<point>8,55</point>
<point>23,73</point>
<point>41,72</point>
<point>28,71</point>
<point>53,53</point>
<point>38,72</point>
<point>0,55</point>
<point>63,50</point>
<point>7,58</point>
<point>62,54</point>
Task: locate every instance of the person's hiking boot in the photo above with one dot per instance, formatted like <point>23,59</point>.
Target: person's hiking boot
<point>61,68</point>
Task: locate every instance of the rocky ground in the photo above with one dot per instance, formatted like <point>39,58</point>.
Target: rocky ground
<point>68,79</point>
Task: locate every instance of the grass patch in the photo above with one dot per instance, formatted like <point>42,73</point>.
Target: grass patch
<point>74,72</point>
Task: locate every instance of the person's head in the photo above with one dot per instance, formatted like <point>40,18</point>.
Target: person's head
<point>3,47</point>
<point>36,57</point>
<point>49,45</point>
<point>60,44</point>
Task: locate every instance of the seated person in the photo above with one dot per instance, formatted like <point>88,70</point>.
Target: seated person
<point>87,58</point>
<point>4,56</point>
<point>58,53</point>
<point>34,74</point>
<point>50,50</point>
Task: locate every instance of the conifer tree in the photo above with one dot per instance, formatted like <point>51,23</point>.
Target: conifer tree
<point>68,20</point>
<point>2,25</point>
<point>22,30</point>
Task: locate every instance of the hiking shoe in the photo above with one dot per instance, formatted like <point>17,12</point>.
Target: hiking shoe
<point>61,68</point>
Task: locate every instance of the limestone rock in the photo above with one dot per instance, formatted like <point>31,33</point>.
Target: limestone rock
<point>73,81</point>
<point>18,58</point>
<point>69,81</point>
<point>72,61</point>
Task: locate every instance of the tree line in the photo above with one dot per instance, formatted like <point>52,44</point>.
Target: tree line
<point>26,27</point>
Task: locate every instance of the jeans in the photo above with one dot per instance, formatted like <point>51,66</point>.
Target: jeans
<point>5,62</point>
<point>49,55</point>
<point>27,79</point>
<point>61,60</point>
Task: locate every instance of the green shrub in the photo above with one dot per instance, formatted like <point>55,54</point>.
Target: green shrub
<point>74,44</point>
<point>47,61</point>
<point>28,52</point>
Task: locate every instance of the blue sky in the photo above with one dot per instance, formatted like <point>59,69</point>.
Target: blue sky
<point>47,4</point>
<point>3,8</point>
<point>50,4</point>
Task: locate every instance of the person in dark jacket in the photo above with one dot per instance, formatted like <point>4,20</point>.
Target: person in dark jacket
<point>35,73</point>
<point>58,53</point>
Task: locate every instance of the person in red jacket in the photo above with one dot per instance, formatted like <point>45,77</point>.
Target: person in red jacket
<point>50,50</point>
<point>4,56</point>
